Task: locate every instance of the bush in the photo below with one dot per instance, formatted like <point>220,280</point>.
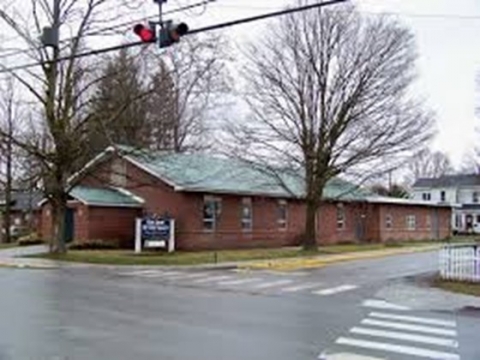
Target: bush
<point>94,244</point>
<point>31,239</point>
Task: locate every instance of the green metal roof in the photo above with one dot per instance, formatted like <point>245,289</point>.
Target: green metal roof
<point>105,197</point>
<point>202,172</point>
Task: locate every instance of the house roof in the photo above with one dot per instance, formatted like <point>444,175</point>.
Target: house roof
<point>448,181</point>
<point>23,200</point>
<point>115,197</point>
<point>207,173</point>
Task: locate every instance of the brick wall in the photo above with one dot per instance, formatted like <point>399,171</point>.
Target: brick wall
<point>422,231</point>
<point>107,223</point>
<point>363,222</point>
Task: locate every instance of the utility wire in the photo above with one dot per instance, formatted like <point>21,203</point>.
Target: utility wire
<point>116,26</point>
<point>191,32</point>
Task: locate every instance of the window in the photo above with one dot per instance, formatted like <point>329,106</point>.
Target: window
<point>282,214</point>
<point>388,221</point>
<point>411,222</point>
<point>428,222</point>
<point>475,197</point>
<point>478,218</point>
<point>246,214</point>
<point>340,217</point>
<point>118,173</point>
<point>442,195</point>
<point>426,196</point>
<point>211,212</point>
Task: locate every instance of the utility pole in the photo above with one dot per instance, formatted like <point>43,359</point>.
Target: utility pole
<point>50,40</point>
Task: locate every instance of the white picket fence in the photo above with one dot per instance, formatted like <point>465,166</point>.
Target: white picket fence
<point>460,262</point>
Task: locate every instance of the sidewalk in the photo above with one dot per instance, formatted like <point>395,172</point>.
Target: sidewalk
<point>12,257</point>
<point>291,264</point>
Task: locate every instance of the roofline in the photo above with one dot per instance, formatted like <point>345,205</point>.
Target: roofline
<point>129,193</point>
<point>91,163</point>
<point>114,205</point>
<point>151,172</point>
<point>407,202</point>
<point>241,193</point>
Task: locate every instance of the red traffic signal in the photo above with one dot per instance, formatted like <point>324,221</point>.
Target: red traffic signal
<point>146,34</point>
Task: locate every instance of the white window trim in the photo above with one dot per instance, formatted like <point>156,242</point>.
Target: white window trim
<point>214,221</point>
<point>408,221</point>
<point>343,219</point>
<point>282,224</point>
<point>247,201</point>
<point>389,220</point>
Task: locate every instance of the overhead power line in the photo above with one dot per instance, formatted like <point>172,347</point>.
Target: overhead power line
<point>116,26</point>
<point>191,32</point>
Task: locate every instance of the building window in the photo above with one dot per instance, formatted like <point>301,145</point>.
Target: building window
<point>478,218</point>
<point>282,214</point>
<point>411,222</point>
<point>340,217</point>
<point>475,197</point>
<point>388,221</point>
<point>118,174</point>
<point>246,214</point>
<point>428,222</point>
<point>211,212</point>
<point>426,196</point>
<point>442,195</point>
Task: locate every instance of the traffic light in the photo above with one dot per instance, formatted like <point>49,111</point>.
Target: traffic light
<point>171,34</point>
<point>168,35</point>
<point>145,33</point>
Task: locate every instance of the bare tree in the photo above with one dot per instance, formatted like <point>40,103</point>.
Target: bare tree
<point>328,94</point>
<point>58,89</point>
<point>190,82</point>
<point>428,164</point>
<point>9,125</point>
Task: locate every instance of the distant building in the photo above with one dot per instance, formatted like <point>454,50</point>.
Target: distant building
<point>461,191</point>
<point>224,203</point>
<point>24,211</point>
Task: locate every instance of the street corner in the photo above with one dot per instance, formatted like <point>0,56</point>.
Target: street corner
<point>293,264</point>
<point>20,264</point>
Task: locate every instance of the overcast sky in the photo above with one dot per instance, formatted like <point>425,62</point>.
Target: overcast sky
<point>447,34</point>
<point>448,45</point>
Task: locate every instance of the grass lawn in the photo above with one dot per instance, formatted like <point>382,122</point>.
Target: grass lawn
<point>6,246</point>
<point>127,257</point>
<point>458,286</point>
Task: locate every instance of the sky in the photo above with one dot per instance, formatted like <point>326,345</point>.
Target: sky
<point>448,41</point>
<point>448,46</point>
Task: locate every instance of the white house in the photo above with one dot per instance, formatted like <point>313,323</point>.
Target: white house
<point>461,191</point>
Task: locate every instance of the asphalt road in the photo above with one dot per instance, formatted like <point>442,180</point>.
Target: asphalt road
<point>368,309</point>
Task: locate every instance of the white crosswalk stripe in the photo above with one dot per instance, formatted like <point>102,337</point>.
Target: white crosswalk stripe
<point>401,349</point>
<point>238,281</point>
<point>301,287</point>
<point>335,290</point>
<point>410,327</point>
<point>420,320</point>
<point>384,305</point>
<point>405,336</point>
<point>272,284</point>
<point>212,279</point>
<point>161,274</point>
<point>401,334</point>
<point>185,276</point>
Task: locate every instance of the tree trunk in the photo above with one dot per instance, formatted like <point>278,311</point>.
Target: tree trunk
<point>8,191</point>
<point>59,210</point>
<point>310,236</point>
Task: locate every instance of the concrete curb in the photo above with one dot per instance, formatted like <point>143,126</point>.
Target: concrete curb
<point>291,264</point>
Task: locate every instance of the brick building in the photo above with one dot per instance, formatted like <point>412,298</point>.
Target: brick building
<point>222,203</point>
